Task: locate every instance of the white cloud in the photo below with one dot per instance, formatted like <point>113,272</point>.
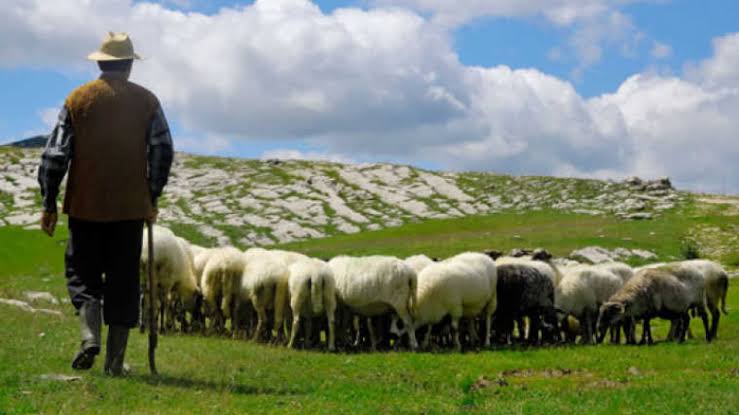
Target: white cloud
<point>49,117</point>
<point>560,12</point>
<point>721,70</point>
<point>661,50</point>
<point>290,154</point>
<point>605,30</point>
<point>211,144</point>
<point>386,84</point>
<point>592,25</point>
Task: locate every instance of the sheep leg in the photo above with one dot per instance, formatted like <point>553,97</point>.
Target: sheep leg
<point>280,302</point>
<point>673,331</point>
<point>261,318</point>
<point>344,318</point>
<point>372,335</point>
<point>489,324</point>
<point>643,333</point>
<point>488,330</point>
<point>308,333</point>
<point>587,329</point>
<point>427,338</point>
<point>630,330</point>
<point>684,327</point>
<point>162,306</point>
<point>521,329</point>
<point>534,329</point>
<point>715,316</point>
<point>646,337</point>
<point>331,332</point>
<point>616,334</point>
<point>330,317</point>
<point>506,327</point>
<point>408,322</point>
<point>206,311</point>
<point>357,324</point>
<point>171,309</point>
<point>704,318</point>
<point>142,312</point>
<point>455,334</point>
<point>472,332</point>
<point>235,310</point>
<point>294,331</point>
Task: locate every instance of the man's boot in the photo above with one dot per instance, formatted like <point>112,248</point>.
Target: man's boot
<point>115,350</point>
<point>90,322</point>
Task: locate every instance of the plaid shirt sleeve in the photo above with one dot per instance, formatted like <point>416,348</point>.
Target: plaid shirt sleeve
<point>55,160</point>
<point>160,153</point>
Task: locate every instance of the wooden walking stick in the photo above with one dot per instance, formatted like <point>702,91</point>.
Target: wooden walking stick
<point>152,316</point>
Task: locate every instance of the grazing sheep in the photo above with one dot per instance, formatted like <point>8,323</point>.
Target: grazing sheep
<point>620,269</point>
<point>264,284</point>
<point>418,262</point>
<point>581,292</point>
<point>312,293</point>
<point>196,249</point>
<point>709,278</point>
<point>221,284</point>
<point>541,260</point>
<point>373,285</point>
<point>174,281</point>
<point>200,259</point>
<point>648,294</point>
<point>523,290</point>
<point>462,286</point>
<point>181,306</point>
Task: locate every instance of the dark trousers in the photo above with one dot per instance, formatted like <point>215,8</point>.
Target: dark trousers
<point>112,250</point>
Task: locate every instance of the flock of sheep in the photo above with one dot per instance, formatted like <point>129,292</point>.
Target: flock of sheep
<point>470,300</point>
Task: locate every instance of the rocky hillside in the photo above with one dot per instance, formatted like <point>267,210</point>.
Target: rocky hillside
<point>248,202</point>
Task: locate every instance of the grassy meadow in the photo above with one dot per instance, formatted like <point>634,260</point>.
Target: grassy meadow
<point>216,375</point>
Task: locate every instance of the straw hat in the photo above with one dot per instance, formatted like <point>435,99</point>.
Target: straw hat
<point>115,47</point>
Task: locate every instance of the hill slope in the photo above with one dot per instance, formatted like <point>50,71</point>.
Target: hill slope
<point>248,202</point>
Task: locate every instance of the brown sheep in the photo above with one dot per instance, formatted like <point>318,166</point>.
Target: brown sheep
<point>650,293</point>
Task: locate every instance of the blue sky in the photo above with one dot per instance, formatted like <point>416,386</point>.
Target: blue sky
<point>688,26</point>
<point>662,48</point>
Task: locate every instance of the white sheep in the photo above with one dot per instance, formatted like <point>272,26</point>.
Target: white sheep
<point>621,270</point>
<point>221,284</point>
<point>418,262</point>
<point>200,259</point>
<point>706,278</point>
<point>373,285</point>
<point>581,292</point>
<point>312,292</point>
<point>265,283</point>
<point>174,280</point>
<point>717,281</point>
<point>460,286</point>
<point>196,249</point>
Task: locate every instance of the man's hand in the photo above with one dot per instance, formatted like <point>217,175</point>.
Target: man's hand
<point>153,216</point>
<point>48,222</point>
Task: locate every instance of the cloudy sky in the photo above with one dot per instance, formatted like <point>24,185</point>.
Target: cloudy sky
<point>589,88</point>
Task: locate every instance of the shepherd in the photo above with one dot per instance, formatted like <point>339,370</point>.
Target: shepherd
<point>113,138</point>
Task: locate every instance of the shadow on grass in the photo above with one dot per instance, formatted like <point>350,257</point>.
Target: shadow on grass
<point>199,384</point>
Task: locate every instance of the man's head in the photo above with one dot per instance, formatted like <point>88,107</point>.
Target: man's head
<point>122,66</point>
<point>115,54</point>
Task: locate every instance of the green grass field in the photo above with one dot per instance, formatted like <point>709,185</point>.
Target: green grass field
<point>215,375</point>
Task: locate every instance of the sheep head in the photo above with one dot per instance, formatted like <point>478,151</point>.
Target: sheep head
<point>610,313</point>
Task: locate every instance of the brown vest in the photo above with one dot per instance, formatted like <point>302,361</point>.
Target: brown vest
<point>108,174</point>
